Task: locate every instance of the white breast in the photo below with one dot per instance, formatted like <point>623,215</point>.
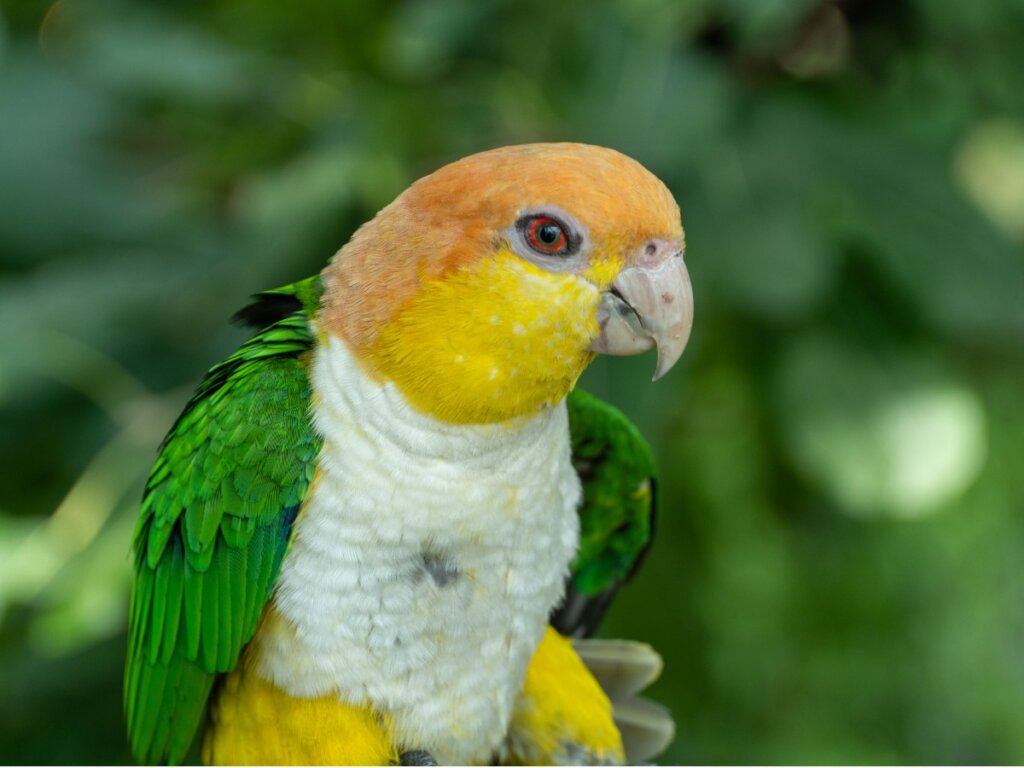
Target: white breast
<point>424,564</point>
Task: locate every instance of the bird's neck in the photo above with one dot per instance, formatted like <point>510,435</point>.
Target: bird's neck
<point>495,341</point>
<point>346,392</point>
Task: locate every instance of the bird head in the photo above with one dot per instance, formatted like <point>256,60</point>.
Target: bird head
<point>486,288</point>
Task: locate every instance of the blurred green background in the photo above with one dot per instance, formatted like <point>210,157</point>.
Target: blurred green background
<point>838,575</point>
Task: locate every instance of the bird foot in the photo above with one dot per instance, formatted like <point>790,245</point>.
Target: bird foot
<point>416,757</point>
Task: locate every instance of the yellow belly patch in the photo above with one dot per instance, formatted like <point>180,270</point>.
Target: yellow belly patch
<point>562,715</point>
<point>252,722</point>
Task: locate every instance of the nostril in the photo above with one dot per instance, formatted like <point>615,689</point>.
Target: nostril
<point>651,248</point>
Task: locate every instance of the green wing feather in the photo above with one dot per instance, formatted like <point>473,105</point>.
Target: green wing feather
<point>617,470</point>
<point>215,522</point>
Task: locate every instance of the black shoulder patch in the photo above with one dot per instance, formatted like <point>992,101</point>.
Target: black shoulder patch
<point>267,309</point>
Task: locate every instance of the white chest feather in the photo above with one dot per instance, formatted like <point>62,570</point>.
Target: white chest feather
<point>424,564</point>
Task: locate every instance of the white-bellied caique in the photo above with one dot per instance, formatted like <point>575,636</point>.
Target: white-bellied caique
<point>373,528</point>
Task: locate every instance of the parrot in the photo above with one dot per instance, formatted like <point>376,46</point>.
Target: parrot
<point>381,531</point>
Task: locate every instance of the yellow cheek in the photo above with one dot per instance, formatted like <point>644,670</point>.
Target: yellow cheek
<point>492,342</point>
<point>602,272</point>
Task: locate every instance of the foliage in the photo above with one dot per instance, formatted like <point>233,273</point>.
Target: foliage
<point>838,572</point>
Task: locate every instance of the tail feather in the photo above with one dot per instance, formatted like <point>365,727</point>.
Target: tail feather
<point>623,669</point>
<point>647,728</point>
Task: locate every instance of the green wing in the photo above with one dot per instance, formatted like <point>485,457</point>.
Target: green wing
<point>616,468</point>
<point>215,523</point>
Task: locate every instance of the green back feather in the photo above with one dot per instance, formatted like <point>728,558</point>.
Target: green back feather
<point>214,525</point>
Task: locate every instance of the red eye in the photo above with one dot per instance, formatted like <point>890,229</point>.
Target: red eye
<point>545,235</point>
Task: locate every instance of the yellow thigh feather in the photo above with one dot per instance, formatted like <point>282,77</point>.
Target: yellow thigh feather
<point>252,722</point>
<point>562,715</point>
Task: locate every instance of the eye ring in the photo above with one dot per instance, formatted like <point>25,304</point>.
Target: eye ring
<point>546,235</point>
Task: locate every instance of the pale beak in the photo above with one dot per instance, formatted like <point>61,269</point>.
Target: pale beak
<point>648,305</point>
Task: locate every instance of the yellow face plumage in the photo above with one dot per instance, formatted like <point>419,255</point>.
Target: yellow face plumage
<point>477,290</point>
